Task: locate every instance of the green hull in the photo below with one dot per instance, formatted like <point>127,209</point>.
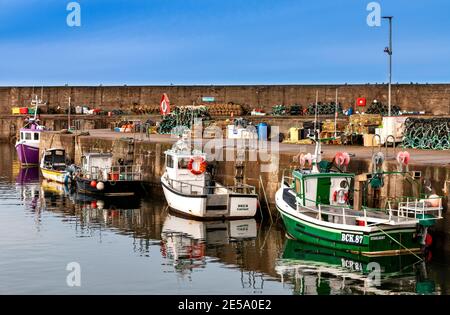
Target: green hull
<point>374,243</point>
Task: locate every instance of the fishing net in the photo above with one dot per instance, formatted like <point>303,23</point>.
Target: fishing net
<point>279,110</point>
<point>324,109</point>
<point>378,108</point>
<point>423,133</point>
<point>183,116</point>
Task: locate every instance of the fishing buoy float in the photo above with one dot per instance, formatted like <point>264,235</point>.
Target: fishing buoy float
<point>342,159</point>
<point>93,184</point>
<point>434,200</point>
<point>403,157</point>
<point>100,186</point>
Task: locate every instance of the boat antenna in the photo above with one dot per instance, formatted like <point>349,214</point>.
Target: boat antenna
<point>68,118</point>
<point>335,114</point>
<point>317,153</point>
<point>316,114</point>
<point>35,102</point>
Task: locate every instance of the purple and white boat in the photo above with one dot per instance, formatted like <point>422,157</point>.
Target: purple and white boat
<point>27,146</point>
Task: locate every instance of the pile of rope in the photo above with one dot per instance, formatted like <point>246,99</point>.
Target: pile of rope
<point>378,108</point>
<point>225,109</point>
<point>324,109</point>
<point>432,133</point>
<point>183,117</point>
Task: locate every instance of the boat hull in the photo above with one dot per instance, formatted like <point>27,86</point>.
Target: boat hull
<point>111,188</point>
<point>57,176</point>
<point>28,154</point>
<point>362,240</point>
<point>237,206</point>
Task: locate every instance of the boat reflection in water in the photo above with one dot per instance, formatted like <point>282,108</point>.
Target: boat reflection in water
<point>185,242</point>
<point>27,185</point>
<point>318,270</point>
<point>28,175</point>
<point>51,189</point>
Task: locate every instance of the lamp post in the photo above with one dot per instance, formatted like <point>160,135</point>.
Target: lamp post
<point>388,50</point>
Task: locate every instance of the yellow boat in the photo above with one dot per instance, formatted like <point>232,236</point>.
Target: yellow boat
<point>53,166</point>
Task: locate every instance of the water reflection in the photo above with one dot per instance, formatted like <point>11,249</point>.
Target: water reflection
<point>185,242</point>
<point>316,270</point>
<point>135,246</point>
<point>28,175</point>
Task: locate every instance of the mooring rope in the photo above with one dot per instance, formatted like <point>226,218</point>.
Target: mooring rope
<point>420,258</point>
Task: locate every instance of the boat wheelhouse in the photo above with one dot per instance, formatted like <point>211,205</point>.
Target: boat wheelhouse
<point>99,175</point>
<point>190,190</point>
<point>54,166</point>
<point>315,208</point>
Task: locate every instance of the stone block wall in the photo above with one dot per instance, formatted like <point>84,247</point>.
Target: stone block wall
<point>433,98</point>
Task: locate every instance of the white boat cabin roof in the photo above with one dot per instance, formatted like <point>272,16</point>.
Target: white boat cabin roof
<point>55,149</point>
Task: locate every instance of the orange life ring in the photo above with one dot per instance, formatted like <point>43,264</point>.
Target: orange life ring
<point>196,251</point>
<point>201,162</point>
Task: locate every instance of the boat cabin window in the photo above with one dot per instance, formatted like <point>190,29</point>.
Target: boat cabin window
<point>27,135</point>
<point>183,163</point>
<point>169,162</point>
<point>21,136</point>
<point>36,136</point>
<point>297,186</point>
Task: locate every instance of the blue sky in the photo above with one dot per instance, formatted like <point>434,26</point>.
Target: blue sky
<point>220,42</point>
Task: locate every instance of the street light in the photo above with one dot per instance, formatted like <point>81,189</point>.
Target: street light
<point>388,50</point>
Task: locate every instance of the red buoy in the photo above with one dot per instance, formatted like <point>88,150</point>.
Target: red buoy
<point>93,184</point>
<point>428,240</point>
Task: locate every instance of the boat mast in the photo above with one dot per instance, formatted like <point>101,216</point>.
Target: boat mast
<point>68,118</point>
<point>35,102</point>
<point>318,149</point>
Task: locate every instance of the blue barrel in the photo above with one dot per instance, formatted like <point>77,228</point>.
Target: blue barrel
<point>262,131</point>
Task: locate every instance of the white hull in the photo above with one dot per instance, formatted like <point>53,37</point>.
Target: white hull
<point>210,206</point>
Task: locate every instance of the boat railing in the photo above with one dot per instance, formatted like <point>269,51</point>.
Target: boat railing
<point>287,179</point>
<point>191,189</point>
<point>344,212</point>
<point>408,211</point>
<point>430,208</point>
<point>115,173</point>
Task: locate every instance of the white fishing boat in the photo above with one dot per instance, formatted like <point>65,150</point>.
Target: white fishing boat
<point>190,190</point>
<point>53,166</point>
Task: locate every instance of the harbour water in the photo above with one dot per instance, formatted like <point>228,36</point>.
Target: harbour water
<point>136,246</point>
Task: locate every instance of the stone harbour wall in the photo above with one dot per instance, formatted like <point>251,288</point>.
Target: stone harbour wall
<point>432,98</point>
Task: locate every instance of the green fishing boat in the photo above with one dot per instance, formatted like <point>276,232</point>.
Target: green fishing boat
<point>315,207</point>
